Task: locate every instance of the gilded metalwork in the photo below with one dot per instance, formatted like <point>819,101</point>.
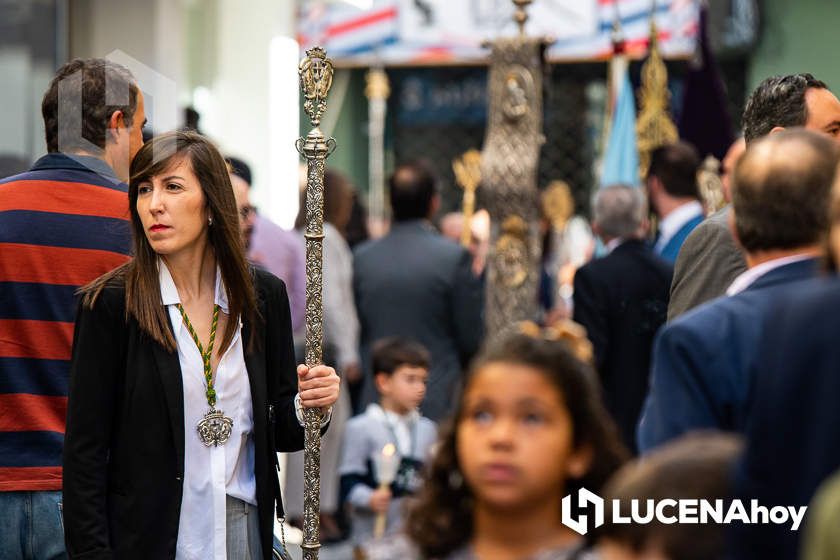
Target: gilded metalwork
<point>558,204</point>
<point>519,91</point>
<point>214,429</point>
<point>512,254</point>
<point>377,85</point>
<point>654,126</point>
<point>315,79</point>
<point>467,171</point>
<point>521,15</point>
<point>573,334</point>
<point>509,176</point>
<point>377,91</point>
<point>316,73</point>
<point>711,186</point>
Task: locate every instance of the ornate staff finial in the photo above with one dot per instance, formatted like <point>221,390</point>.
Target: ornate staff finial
<point>316,73</point>
<point>521,15</point>
<point>467,171</point>
<point>558,203</point>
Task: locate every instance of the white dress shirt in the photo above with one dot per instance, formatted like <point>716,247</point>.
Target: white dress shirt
<point>749,276</point>
<point>673,222</point>
<point>211,473</point>
<point>401,426</point>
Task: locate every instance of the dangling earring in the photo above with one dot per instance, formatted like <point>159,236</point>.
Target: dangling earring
<point>210,220</point>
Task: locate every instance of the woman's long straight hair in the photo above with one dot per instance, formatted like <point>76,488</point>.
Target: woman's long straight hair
<point>140,274</point>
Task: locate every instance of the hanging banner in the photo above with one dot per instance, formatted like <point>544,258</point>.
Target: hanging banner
<point>434,32</point>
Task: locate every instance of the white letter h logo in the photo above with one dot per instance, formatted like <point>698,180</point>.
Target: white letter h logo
<point>584,497</point>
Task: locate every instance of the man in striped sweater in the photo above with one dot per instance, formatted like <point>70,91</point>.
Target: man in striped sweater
<point>62,224</point>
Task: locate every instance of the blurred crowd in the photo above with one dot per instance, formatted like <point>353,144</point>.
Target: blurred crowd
<point>681,352</point>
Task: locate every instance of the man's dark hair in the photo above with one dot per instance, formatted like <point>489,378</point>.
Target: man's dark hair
<point>91,91</point>
<point>778,101</point>
<point>239,168</point>
<point>781,190</point>
<point>391,353</point>
<point>411,188</point>
<point>676,166</point>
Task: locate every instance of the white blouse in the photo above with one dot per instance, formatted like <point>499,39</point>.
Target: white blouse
<point>211,473</point>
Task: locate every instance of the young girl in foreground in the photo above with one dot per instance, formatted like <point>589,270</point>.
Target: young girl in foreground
<point>530,429</point>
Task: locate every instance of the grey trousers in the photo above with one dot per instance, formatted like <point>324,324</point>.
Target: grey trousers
<point>243,531</point>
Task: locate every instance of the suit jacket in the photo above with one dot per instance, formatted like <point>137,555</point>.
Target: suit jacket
<point>703,362</point>
<point>124,446</point>
<point>708,263</point>
<point>794,428</point>
<point>415,283</point>
<point>621,300</point>
<point>672,248</point>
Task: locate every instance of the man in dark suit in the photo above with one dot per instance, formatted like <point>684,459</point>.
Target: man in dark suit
<point>708,262</point>
<point>416,284</point>
<point>794,425</point>
<point>674,196</point>
<point>704,362</point>
<point>621,300</point>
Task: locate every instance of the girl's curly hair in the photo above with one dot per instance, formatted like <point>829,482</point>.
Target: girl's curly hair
<point>441,518</point>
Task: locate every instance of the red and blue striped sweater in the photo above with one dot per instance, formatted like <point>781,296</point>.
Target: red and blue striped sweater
<point>62,224</point>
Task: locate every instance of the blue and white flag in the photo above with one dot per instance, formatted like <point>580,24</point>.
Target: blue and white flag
<point>621,160</point>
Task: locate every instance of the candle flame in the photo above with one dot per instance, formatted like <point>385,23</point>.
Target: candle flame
<point>389,450</point>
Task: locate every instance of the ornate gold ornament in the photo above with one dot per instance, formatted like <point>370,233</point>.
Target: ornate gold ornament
<point>315,80</point>
<point>377,85</point>
<point>512,253</point>
<point>467,171</point>
<point>214,429</point>
<point>711,186</point>
<point>519,89</point>
<point>654,126</point>
<point>521,15</point>
<point>316,74</point>
<point>558,204</point>
<point>377,91</point>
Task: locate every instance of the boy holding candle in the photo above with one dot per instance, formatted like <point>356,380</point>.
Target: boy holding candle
<point>386,446</point>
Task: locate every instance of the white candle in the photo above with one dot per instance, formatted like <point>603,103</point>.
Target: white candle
<point>386,465</point>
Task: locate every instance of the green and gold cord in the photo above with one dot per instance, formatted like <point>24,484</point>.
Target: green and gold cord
<point>206,355</point>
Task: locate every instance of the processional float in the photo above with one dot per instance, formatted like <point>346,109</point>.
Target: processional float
<point>509,176</point>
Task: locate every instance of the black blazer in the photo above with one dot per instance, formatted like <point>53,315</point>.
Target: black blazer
<point>124,445</point>
<point>622,300</point>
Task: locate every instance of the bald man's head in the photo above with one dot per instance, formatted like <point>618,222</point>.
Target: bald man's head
<point>781,189</point>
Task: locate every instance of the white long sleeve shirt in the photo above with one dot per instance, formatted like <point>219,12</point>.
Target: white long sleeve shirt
<point>211,473</point>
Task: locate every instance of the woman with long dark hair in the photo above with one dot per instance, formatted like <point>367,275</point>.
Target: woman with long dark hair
<point>182,383</point>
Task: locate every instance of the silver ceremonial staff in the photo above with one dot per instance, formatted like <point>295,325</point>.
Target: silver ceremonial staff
<point>316,72</point>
